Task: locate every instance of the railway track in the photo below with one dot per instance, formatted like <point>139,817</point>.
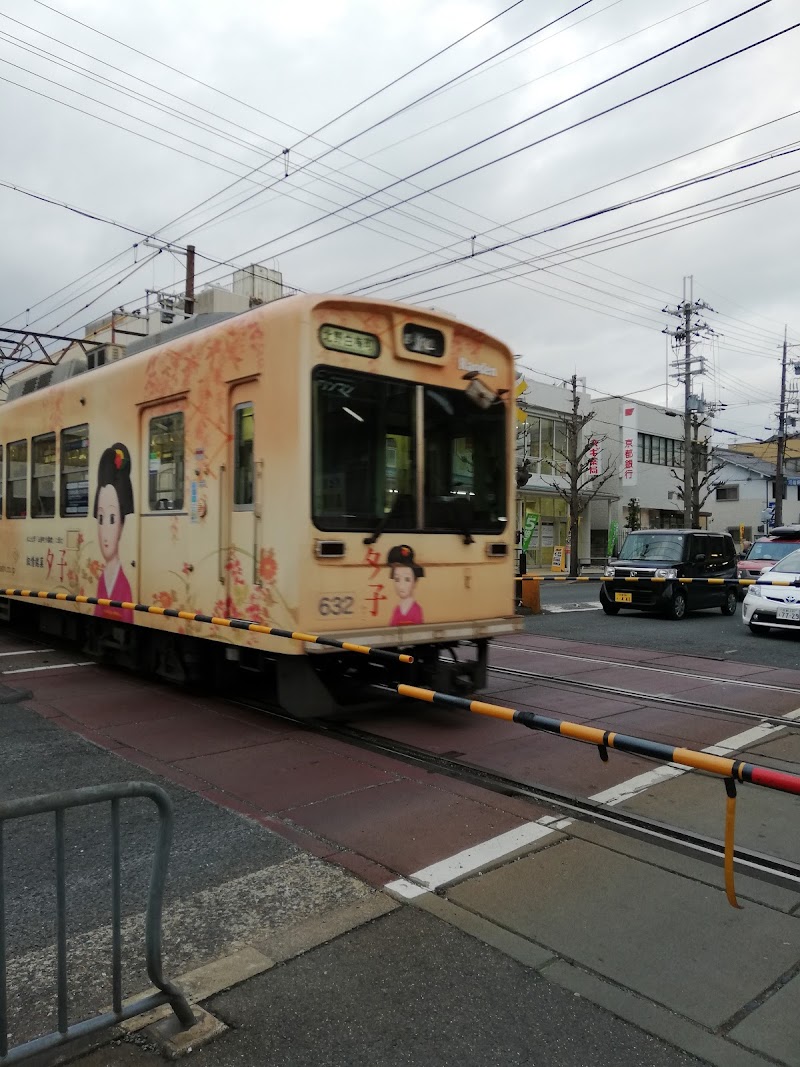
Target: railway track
<point>670,701</point>
<point>773,869</point>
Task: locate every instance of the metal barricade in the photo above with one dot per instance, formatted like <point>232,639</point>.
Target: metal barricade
<point>167,993</point>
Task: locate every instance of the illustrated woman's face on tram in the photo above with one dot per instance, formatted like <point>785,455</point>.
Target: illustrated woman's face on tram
<point>109,522</point>
<point>404,581</point>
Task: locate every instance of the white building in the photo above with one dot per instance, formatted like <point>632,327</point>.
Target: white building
<point>745,489</point>
<point>646,444</point>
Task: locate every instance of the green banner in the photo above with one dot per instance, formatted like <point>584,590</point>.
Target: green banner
<point>613,531</point>
<point>531,523</point>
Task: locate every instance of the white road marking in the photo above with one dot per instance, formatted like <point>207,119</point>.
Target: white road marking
<point>454,868</point>
<point>52,667</point>
<point>27,652</point>
<point>558,610</point>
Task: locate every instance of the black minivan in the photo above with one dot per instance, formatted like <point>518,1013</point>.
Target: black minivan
<point>669,555</point>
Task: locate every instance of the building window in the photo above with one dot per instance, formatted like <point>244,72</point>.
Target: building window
<point>662,451</point>
<point>17,480</point>
<point>166,462</point>
<point>727,492</point>
<point>546,444</point>
<point>43,476</point>
<point>784,490</point>
<point>75,471</point>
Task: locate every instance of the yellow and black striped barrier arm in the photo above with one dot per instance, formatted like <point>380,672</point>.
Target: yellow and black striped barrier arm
<point>648,578</point>
<point>214,620</point>
<point>731,770</point>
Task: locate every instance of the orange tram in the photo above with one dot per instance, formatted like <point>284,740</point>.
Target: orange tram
<point>330,465</point>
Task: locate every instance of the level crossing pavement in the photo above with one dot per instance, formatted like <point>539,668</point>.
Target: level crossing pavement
<point>582,947</point>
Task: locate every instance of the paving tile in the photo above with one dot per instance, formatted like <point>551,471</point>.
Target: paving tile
<point>714,667</point>
<point>743,697</point>
<point>774,1028</point>
<point>559,763</point>
<point>574,704</point>
<point>196,734</point>
<point>283,773</point>
<point>674,726</point>
<point>404,825</point>
<point>681,945</point>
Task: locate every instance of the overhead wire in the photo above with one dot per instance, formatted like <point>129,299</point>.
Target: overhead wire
<point>548,137</point>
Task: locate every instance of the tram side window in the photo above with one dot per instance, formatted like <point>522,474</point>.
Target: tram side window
<point>43,476</point>
<point>75,471</point>
<point>243,458</point>
<point>17,480</point>
<point>166,462</point>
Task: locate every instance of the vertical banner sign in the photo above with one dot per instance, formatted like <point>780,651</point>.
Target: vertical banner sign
<point>630,472</point>
<point>531,522</point>
<point>594,457</point>
<point>613,532</point>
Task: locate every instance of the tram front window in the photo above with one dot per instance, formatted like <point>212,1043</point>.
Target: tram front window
<point>367,434</point>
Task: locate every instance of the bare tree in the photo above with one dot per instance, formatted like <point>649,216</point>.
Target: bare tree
<point>581,471</point>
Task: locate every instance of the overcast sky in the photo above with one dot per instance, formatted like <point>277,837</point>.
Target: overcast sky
<point>102,112</point>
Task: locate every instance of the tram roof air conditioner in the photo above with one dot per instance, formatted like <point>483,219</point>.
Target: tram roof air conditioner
<point>98,357</point>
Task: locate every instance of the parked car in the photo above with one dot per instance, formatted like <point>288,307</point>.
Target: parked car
<point>669,555</point>
<point>766,551</point>
<point>767,606</point>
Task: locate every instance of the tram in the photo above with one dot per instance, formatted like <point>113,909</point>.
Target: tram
<point>324,464</point>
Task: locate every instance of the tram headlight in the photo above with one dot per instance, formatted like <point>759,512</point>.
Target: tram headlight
<point>608,572</point>
<point>666,572</point>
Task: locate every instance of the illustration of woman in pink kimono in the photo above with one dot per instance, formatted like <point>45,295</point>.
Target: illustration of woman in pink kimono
<point>405,572</point>
<point>113,501</point>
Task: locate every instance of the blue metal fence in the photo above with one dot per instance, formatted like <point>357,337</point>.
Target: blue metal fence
<point>168,993</point>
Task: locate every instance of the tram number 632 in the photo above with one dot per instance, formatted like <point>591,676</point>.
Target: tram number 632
<point>339,604</point>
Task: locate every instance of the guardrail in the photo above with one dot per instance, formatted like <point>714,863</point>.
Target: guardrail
<point>213,620</point>
<point>168,993</point>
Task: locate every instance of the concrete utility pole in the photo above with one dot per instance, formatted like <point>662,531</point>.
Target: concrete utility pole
<point>780,455</point>
<point>188,300</point>
<point>685,370</point>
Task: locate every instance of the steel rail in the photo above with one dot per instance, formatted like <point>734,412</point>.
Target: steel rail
<point>634,694</point>
<point>653,669</point>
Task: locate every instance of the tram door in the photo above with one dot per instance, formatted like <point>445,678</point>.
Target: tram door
<point>241,488</point>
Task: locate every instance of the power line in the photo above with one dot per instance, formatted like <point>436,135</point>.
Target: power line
<point>541,140</point>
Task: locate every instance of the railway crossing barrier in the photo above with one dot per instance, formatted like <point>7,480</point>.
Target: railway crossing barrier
<point>213,620</point>
<point>730,770</point>
<point>651,578</point>
<point>168,993</point>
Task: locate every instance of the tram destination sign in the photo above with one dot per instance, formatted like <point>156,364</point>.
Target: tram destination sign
<point>358,343</point>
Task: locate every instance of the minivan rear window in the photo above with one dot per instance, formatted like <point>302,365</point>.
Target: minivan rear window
<point>771,549</point>
<point>667,548</point>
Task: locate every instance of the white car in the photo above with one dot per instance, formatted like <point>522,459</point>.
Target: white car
<point>770,606</point>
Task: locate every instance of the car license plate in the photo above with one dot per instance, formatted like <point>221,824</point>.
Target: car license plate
<point>627,598</point>
<point>789,614</point>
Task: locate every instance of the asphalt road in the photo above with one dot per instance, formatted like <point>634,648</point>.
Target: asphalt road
<point>572,610</point>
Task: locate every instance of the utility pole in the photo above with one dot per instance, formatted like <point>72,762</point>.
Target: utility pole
<point>188,300</point>
<point>685,370</point>
<point>781,450</point>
